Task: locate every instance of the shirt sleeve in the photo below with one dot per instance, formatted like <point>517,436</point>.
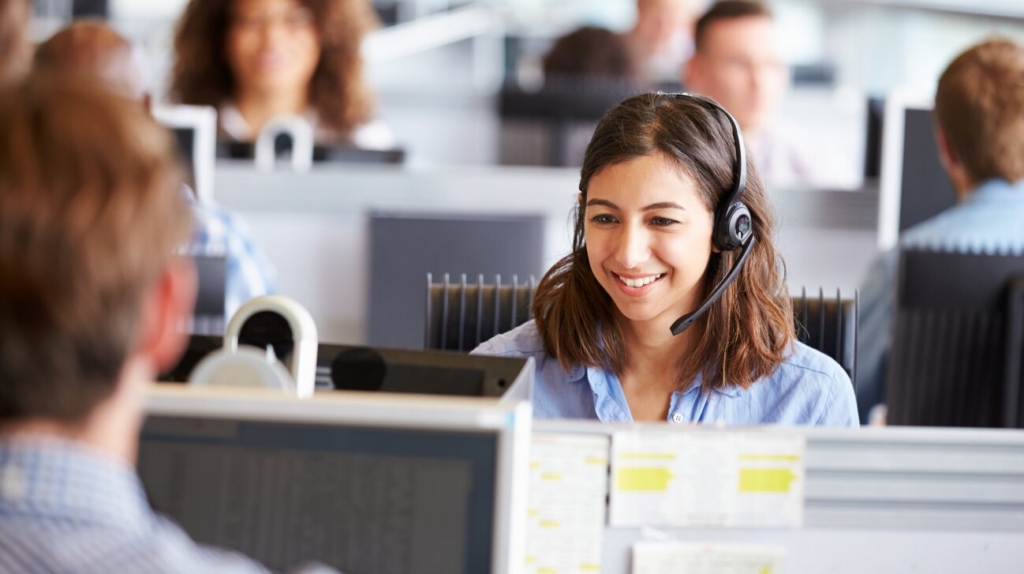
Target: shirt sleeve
<point>841,405</point>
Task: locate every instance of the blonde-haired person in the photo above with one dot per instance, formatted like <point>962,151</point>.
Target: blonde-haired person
<point>15,47</point>
<point>644,255</point>
<point>255,60</point>
<point>979,125</point>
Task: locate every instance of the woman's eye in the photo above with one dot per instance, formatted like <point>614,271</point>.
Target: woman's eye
<point>662,222</point>
<point>602,219</point>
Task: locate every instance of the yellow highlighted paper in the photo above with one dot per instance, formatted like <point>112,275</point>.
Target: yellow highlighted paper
<point>766,479</point>
<point>770,458</point>
<point>641,479</point>
<point>647,456</point>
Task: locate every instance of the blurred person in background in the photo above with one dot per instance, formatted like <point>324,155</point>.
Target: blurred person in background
<point>255,60</point>
<point>15,47</point>
<point>94,50</point>
<point>662,38</point>
<point>590,53</point>
<point>737,62</point>
<point>979,127</point>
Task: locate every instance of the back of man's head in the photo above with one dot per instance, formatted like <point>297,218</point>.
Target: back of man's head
<point>15,47</point>
<point>90,213</point>
<point>979,106</point>
<point>726,10</point>
<point>95,50</point>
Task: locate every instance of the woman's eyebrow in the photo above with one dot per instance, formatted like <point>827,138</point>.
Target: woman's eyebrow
<point>663,205</point>
<point>602,202</point>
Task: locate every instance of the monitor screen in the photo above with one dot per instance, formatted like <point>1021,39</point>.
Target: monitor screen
<point>195,132</point>
<point>913,186</point>
<point>359,499</point>
<point>926,189</point>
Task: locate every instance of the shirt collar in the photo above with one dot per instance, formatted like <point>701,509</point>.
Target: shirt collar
<point>610,400</point>
<point>64,479</point>
<point>997,190</point>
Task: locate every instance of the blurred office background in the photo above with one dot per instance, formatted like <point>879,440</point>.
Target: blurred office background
<point>443,74</point>
<point>438,65</point>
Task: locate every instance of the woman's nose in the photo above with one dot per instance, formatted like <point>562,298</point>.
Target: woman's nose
<point>634,247</point>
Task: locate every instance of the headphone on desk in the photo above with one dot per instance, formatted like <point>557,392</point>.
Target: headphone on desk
<point>734,227</point>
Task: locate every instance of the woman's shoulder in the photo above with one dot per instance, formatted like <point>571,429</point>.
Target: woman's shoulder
<point>822,383</point>
<point>523,341</point>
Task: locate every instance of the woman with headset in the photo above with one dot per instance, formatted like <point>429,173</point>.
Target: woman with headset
<point>672,304</point>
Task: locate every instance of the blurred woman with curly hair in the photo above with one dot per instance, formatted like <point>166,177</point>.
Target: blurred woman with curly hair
<point>255,60</point>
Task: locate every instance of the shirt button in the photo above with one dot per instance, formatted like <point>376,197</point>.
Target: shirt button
<point>677,418</point>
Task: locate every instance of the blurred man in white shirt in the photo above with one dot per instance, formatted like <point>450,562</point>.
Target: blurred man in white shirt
<point>737,62</point>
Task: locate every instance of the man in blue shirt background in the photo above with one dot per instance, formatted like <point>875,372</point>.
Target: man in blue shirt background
<point>979,116</point>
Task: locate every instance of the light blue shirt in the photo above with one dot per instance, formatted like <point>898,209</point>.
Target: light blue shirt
<point>989,221</point>
<point>219,232</point>
<point>807,388</point>
<point>67,508</point>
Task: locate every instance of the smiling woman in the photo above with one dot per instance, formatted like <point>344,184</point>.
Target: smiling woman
<point>658,173</point>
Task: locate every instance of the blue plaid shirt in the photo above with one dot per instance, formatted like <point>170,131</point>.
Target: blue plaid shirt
<point>219,232</point>
<point>67,508</point>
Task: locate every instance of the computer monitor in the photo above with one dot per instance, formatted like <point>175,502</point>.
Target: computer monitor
<point>195,130</point>
<point>362,482</point>
<point>913,186</point>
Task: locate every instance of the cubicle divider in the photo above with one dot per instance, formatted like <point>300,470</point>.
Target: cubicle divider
<point>665,498</point>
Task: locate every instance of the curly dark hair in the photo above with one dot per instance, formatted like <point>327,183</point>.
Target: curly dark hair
<point>338,92</point>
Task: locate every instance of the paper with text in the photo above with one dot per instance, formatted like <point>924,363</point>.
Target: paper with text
<point>707,479</point>
<point>568,490</point>
<point>690,558</point>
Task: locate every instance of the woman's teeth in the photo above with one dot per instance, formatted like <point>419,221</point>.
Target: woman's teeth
<point>640,281</point>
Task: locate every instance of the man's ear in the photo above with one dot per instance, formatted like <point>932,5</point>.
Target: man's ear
<point>166,308</point>
<point>689,75</point>
<point>949,159</point>
<point>953,165</point>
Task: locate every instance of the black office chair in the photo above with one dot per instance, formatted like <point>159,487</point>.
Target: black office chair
<point>958,341</point>
<point>462,315</point>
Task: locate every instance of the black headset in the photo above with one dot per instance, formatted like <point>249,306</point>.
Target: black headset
<point>734,228</point>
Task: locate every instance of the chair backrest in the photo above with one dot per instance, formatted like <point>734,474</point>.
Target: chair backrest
<point>405,247</point>
<point>957,343</point>
<point>461,314</point>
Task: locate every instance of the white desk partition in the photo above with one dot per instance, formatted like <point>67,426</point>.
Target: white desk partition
<point>364,482</point>
<point>314,226</point>
<point>879,500</point>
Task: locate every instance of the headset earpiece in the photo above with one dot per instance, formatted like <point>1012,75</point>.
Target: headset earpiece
<point>734,226</point>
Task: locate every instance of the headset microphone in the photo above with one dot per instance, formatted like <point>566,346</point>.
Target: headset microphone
<point>733,224</point>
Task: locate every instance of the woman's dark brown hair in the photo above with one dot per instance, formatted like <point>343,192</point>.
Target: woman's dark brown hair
<point>745,335</point>
<point>338,92</point>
